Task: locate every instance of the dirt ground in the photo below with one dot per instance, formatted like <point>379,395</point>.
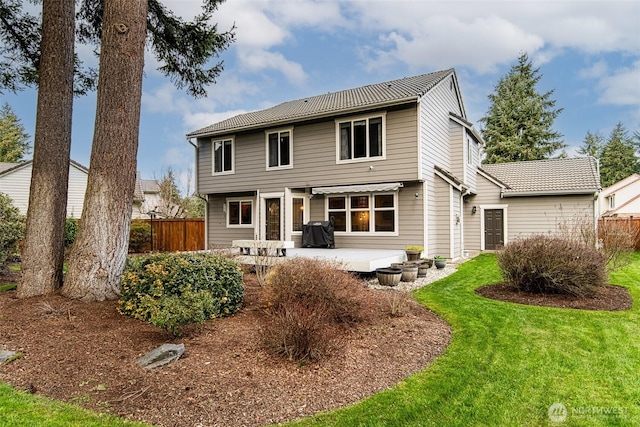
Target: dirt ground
<point>86,353</point>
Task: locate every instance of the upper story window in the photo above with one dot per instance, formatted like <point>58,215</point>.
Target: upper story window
<point>362,138</point>
<point>469,150</point>
<point>279,148</point>
<point>363,213</point>
<point>223,156</point>
<point>239,213</point>
<point>612,201</point>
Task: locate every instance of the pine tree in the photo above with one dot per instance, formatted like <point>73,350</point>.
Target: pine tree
<point>518,125</point>
<point>14,141</point>
<point>592,145</point>
<point>618,158</point>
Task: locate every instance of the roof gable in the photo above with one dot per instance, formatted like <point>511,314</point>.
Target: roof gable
<point>623,183</point>
<point>555,176</point>
<point>351,100</point>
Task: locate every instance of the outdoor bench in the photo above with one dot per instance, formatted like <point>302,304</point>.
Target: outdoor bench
<point>263,247</point>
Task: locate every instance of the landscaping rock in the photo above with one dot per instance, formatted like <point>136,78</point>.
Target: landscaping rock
<point>6,354</point>
<point>163,355</point>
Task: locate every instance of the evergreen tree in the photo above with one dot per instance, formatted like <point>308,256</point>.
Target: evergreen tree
<point>170,196</point>
<point>518,125</point>
<point>14,141</point>
<point>592,144</point>
<point>618,158</point>
<point>183,48</point>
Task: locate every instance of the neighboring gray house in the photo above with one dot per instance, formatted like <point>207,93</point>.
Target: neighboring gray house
<point>15,181</point>
<point>395,163</point>
<point>523,198</point>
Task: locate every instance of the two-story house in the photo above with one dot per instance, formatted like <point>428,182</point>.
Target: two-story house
<point>394,164</point>
<point>390,162</point>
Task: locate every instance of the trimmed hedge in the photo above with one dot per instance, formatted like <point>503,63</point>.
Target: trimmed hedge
<point>173,290</point>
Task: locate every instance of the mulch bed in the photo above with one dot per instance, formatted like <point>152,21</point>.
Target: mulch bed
<point>609,297</point>
<point>86,353</point>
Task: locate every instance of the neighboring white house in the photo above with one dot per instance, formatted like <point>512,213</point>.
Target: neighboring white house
<point>146,198</point>
<point>15,180</point>
<point>621,199</point>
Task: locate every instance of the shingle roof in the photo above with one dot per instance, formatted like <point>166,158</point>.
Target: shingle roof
<point>391,92</point>
<point>574,176</point>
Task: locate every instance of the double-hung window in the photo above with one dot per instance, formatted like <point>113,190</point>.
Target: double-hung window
<point>363,213</point>
<point>279,149</point>
<point>223,156</point>
<point>239,213</point>
<point>361,139</point>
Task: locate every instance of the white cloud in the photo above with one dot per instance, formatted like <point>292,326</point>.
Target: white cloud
<point>596,70</point>
<point>257,59</point>
<point>622,87</point>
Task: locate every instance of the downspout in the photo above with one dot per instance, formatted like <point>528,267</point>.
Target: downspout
<point>206,197</point>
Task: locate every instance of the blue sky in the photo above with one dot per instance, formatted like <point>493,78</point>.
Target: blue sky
<point>588,53</point>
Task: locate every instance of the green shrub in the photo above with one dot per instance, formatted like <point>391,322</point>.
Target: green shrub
<point>307,301</point>
<point>174,290</point>
<point>70,231</point>
<point>546,264</point>
<point>12,227</point>
<point>139,236</point>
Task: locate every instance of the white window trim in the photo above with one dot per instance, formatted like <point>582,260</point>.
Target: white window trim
<point>266,148</point>
<point>240,199</point>
<point>382,114</point>
<point>372,211</point>
<point>612,201</point>
<point>305,211</point>
<point>233,156</point>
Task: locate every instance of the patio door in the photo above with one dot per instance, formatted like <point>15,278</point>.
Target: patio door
<point>272,219</point>
<point>493,229</point>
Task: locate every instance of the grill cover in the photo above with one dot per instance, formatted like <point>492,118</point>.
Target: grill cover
<point>318,234</point>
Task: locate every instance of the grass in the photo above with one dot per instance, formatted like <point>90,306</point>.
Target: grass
<point>506,365</point>
<point>21,409</point>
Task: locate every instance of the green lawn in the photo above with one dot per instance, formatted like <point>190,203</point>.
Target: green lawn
<point>506,365</point>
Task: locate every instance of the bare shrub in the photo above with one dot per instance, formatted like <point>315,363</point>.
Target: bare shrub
<point>308,301</point>
<point>617,241</point>
<point>545,264</point>
<point>399,303</point>
<point>615,238</point>
<point>317,283</point>
<point>298,332</point>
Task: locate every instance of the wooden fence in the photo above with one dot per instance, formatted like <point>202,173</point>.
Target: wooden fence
<point>629,226</point>
<point>180,234</point>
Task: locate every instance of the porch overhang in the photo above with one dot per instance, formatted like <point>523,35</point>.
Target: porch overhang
<point>364,188</point>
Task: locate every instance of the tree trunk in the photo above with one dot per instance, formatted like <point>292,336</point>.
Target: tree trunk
<point>43,252</point>
<point>99,253</point>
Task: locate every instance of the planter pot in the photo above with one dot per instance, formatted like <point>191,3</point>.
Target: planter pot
<point>413,255</point>
<point>422,270</point>
<point>440,263</point>
<point>427,261</point>
<point>409,273</point>
<point>389,276</point>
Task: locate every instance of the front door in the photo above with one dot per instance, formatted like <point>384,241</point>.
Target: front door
<point>272,218</point>
<point>493,229</point>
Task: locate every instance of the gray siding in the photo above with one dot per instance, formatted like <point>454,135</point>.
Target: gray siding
<point>458,144</point>
<point>314,159</point>
<point>456,224</point>
<point>435,146</point>
<point>218,233</point>
<point>526,215</point>
<point>442,220</point>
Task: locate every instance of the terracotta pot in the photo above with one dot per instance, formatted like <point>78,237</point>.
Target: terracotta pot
<point>389,276</point>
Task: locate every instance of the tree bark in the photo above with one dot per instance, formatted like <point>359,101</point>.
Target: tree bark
<point>99,253</point>
<point>43,251</point>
